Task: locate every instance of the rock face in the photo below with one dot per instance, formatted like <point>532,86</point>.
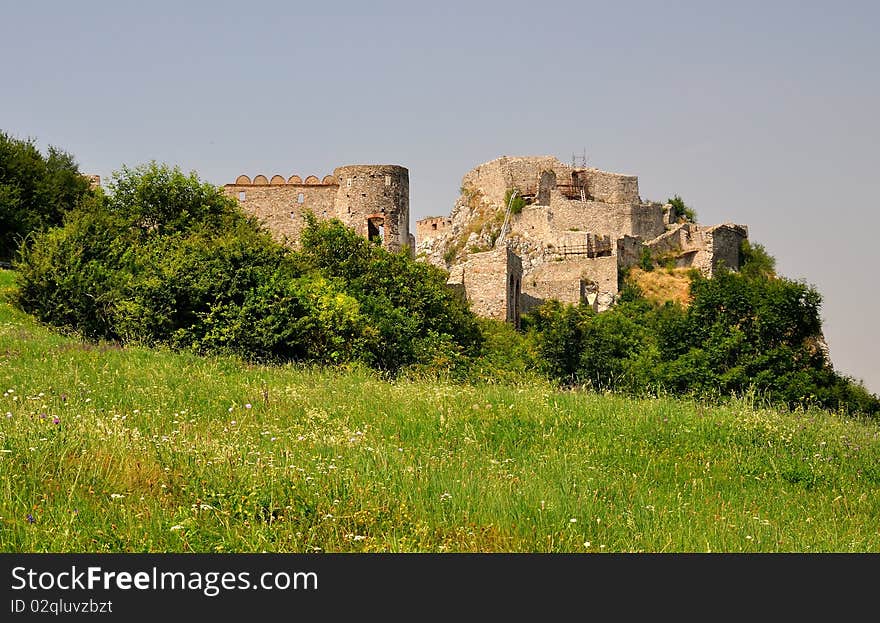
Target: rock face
<point>573,230</point>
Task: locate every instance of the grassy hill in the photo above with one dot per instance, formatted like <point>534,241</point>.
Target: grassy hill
<point>110,449</point>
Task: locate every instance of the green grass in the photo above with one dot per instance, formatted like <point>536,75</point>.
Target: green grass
<point>158,451</point>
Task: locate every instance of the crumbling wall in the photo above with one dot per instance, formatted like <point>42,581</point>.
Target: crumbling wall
<point>611,187</point>
<point>571,280</point>
<point>491,282</point>
<point>690,245</point>
<point>726,240</point>
<point>494,178</point>
<point>647,220</point>
<point>432,227</point>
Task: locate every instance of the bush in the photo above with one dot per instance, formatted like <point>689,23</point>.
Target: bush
<point>166,259</point>
<point>683,211</point>
<point>413,312</point>
<point>755,262</point>
<point>739,335</point>
<point>646,261</point>
<point>517,204</point>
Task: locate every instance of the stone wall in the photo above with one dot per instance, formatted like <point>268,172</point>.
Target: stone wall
<point>371,199</point>
<point>629,251</point>
<point>690,245</point>
<point>571,280</point>
<point>610,187</point>
<point>726,240</point>
<point>491,282</point>
<point>597,217</point>
<point>431,227</point>
<point>280,206</point>
<point>496,177</point>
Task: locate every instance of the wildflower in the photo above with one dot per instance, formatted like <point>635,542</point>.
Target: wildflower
<point>116,496</point>
<point>42,416</point>
<point>30,518</point>
<point>56,420</point>
<point>232,422</point>
<point>247,405</point>
<point>176,528</point>
<point>8,414</point>
<point>587,543</point>
<point>572,520</point>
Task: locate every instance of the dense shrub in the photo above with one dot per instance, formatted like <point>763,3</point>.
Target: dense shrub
<point>741,333</point>
<point>166,259</point>
<point>414,314</point>
<point>685,213</point>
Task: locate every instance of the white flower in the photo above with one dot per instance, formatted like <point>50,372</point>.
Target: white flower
<point>176,527</point>
<point>572,520</point>
<point>587,543</point>
<point>247,405</point>
<point>116,496</point>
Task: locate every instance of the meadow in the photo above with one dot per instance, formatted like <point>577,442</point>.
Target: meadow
<point>109,449</point>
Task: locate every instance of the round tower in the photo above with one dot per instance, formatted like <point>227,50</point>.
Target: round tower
<point>373,199</point>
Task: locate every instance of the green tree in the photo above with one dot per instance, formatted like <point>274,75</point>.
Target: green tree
<point>755,262</point>
<point>36,191</point>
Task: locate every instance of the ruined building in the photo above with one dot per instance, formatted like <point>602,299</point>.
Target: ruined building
<point>524,230</point>
<point>529,229</point>
<point>372,199</point>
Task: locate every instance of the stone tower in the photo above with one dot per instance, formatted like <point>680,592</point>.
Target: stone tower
<point>373,199</point>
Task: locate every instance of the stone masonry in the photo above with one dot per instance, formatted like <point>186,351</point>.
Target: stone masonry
<point>576,230</point>
<point>579,228</point>
<point>371,199</point>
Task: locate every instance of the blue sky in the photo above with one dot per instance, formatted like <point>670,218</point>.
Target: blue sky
<point>760,113</point>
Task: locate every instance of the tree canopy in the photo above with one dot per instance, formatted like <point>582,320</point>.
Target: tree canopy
<point>36,191</point>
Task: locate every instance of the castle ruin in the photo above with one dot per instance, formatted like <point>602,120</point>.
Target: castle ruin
<point>371,199</point>
<point>574,232</point>
<point>523,231</point>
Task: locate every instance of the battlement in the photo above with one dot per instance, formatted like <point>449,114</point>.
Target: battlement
<point>279,180</point>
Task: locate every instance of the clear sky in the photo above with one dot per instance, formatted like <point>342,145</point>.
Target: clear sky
<point>760,113</point>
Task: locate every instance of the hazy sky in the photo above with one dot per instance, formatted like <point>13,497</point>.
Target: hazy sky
<point>760,113</point>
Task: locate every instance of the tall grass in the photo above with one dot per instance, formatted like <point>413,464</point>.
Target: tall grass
<point>109,449</point>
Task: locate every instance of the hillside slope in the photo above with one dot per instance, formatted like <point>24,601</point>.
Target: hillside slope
<point>108,449</point>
